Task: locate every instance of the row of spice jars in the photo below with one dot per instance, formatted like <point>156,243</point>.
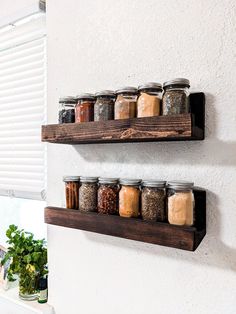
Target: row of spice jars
<point>128,102</point>
<point>151,199</point>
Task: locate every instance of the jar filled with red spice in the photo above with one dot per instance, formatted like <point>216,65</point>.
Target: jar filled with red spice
<point>84,109</point>
<point>108,196</point>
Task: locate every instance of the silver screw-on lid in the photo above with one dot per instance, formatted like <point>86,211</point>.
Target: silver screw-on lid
<point>127,89</point>
<point>85,96</point>
<point>89,179</point>
<point>71,178</point>
<point>106,93</point>
<point>177,81</point>
<point>130,181</point>
<point>152,86</point>
<point>67,99</point>
<point>154,183</point>
<point>180,185</point>
<point>108,180</point>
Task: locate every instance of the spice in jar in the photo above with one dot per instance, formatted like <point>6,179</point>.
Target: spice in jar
<point>149,100</point>
<point>153,200</point>
<point>72,191</point>
<point>176,97</point>
<point>180,203</point>
<point>88,194</point>
<point>126,103</point>
<point>129,198</point>
<point>67,109</point>
<point>108,196</point>
<point>104,106</point>
<point>84,109</point>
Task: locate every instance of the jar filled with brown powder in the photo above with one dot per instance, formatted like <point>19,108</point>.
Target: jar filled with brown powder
<point>149,100</point>
<point>88,194</point>
<point>129,198</point>
<point>84,109</point>
<point>108,196</point>
<point>72,191</point>
<point>126,103</point>
<point>180,203</point>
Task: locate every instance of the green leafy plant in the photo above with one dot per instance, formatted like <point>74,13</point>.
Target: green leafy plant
<point>28,258</point>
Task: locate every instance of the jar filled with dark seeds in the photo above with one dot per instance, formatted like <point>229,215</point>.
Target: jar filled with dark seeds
<point>176,97</point>
<point>153,200</point>
<point>88,194</point>
<point>72,191</point>
<point>104,106</point>
<point>108,196</point>
<point>67,109</point>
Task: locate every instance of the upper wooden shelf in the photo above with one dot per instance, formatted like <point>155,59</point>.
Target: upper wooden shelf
<point>182,127</point>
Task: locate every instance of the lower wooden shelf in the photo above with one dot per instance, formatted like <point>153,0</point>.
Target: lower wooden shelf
<point>185,238</point>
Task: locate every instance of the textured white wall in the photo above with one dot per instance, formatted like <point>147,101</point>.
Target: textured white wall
<point>100,44</point>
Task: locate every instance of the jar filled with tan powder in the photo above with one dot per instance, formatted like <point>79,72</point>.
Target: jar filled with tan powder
<point>180,203</point>
<point>72,191</point>
<point>129,198</point>
<point>149,100</point>
<point>126,103</point>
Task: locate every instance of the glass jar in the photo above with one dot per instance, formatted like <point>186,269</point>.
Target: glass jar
<point>108,196</point>
<point>88,194</point>
<point>180,203</point>
<point>126,103</point>
<point>149,100</point>
<point>72,191</point>
<point>153,200</point>
<point>66,109</point>
<point>129,198</point>
<point>176,97</point>
<point>84,109</point>
<point>104,106</point>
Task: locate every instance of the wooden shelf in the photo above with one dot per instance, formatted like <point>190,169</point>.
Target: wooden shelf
<point>186,238</point>
<point>182,127</point>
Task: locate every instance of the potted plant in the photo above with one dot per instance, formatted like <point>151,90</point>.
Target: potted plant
<point>28,260</point>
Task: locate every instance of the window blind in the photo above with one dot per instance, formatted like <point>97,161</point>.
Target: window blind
<point>22,107</point>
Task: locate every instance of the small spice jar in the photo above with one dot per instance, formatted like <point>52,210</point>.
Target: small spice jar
<point>129,198</point>
<point>66,109</point>
<point>72,191</point>
<point>126,103</point>
<point>176,97</point>
<point>88,194</point>
<point>149,100</point>
<point>180,203</point>
<point>104,106</point>
<point>108,196</point>
<point>153,200</point>
<point>84,109</point>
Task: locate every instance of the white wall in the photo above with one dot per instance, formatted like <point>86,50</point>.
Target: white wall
<point>100,44</point>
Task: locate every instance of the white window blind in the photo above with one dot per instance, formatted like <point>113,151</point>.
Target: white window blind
<point>22,107</point>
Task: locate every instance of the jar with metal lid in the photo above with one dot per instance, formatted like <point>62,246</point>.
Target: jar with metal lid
<point>153,200</point>
<point>180,203</point>
<point>104,106</point>
<point>126,103</point>
<point>149,100</point>
<point>84,109</point>
<point>129,198</point>
<point>72,191</point>
<point>108,196</point>
<point>66,109</point>
<point>176,97</point>
<point>88,194</point>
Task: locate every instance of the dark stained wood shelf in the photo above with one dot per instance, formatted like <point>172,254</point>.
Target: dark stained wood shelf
<point>186,238</point>
<point>182,127</point>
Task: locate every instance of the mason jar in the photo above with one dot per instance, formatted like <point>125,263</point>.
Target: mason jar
<point>66,109</point>
<point>180,203</point>
<point>84,109</point>
<point>88,194</point>
<point>176,97</point>
<point>126,103</point>
<point>153,200</point>
<point>108,196</point>
<point>149,100</point>
<point>72,191</point>
<point>129,198</point>
<point>104,106</point>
